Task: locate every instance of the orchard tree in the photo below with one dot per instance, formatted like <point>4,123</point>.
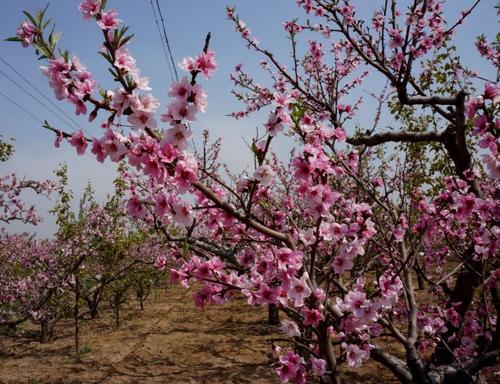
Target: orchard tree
<point>355,246</point>
<point>37,274</point>
<point>28,268</point>
<point>122,251</point>
<point>110,253</point>
<point>12,187</point>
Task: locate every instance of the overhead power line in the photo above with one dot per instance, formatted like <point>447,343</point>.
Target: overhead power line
<point>22,108</point>
<point>72,127</point>
<point>38,119</point>
<point>162,42</point>
<point>40,92</point>
<point>32,115</point>
<point>32,96</point>
<point>166,40</point>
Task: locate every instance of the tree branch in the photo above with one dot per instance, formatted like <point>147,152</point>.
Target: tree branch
<point>410,137</point>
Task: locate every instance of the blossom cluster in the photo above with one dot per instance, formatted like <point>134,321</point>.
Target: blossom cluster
<point>481,110</point>
<point>12,206</point>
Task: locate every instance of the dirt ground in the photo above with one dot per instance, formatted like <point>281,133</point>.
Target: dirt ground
<point>171,341</point>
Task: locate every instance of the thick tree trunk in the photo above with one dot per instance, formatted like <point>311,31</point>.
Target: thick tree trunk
<point>444,374</point>
<point>273,317</point>
<point>421,282</point>
<point>93,309</point>
<point>397,366</point>
<point>93,303</point>
<point>117,318</point>
<point>76,317</point>
<point>327,353</point>
<point>141,294</point>
<point>47,330</point>
<point>463,292</point>
<point>451,375</point>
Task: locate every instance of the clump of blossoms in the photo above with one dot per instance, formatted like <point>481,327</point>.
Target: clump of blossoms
<point>335,237</point>
<point>21,291</point>
<point>483,113</point>
<point>12,205</point>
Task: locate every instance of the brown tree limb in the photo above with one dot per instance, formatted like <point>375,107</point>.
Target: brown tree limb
<point>381,138</point>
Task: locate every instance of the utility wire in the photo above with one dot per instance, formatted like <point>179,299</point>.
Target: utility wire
<point>40,92</point>
<point>166,40</point>
<point>32,96</point>
<point>42,104</point>
<point>22,108</point>
<point>162,42</point>
<point>38,119</point>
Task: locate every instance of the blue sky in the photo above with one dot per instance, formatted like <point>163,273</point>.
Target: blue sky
<point>187,23</point>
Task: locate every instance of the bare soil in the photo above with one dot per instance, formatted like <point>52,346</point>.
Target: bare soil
<point>171,341</point>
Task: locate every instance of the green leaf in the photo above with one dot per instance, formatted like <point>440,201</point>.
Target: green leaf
<point>30,18</point>
<point>113,73</point>
<point>120,32</point>
<point>255,150</point>
<point>47,23</point>
<point>55,38</point>
<point>106,56</point>
<point>41,14</point>
<point>64,54</point>
<point>13,38</point>
<point>297,112</point>
<point>125,40</point>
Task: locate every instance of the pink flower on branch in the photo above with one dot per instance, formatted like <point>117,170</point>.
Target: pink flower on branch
<point>142,120</point>
<point>204,63</point>
<point>290,328</point>
<point>26,32</point>
<point>79,141</point>
<point>299,290</point>
<point>89,8</point>
<point>355,355</point>
<point>109,20</point>
<point>312,317</point>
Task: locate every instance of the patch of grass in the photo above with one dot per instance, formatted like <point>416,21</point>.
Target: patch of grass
<point>262,327</point>
<point>82,352</point>
<point>85,349</point>
<point>8,331</point>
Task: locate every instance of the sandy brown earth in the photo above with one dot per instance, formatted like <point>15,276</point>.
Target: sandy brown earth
<point>171,341</point>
